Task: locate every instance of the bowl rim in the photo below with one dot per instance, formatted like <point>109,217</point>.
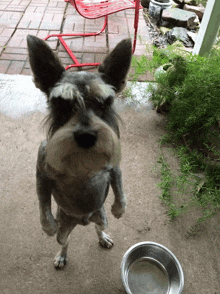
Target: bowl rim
<point>135,246</point>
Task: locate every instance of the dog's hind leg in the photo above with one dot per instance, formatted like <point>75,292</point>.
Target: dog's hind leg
<point>101,223</point>
<point>104,239</point>
<point>66,225</point>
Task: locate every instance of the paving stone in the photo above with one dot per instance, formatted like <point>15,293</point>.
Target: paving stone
<point>71,10</point>
<point>4,5</point>
<point>18,18</point>
<point>93,25</point>
<point>51,21</point>
<point>16,5</point>
<point>1,49</point>
<point>88,58</point>
<point>31,21</point>
<point>53,41</point>
<point>4,65</point>
<point>95,49</point>
<point>35,9</point>
<point>5,35</point>
<point>15,56</point>
<point>75,44</point>
<point>26,71</point>
<point>9,19</point>
<point>15,67</point>
<point>18,40</point>
<point>100,57</point>
<point>27,64</point>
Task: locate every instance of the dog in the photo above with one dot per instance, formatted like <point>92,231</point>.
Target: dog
<point>80,157</point>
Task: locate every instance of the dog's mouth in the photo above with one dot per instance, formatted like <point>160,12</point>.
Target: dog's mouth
<point>83,151</point>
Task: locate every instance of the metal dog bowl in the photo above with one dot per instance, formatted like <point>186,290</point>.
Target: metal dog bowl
<point>150,268</point>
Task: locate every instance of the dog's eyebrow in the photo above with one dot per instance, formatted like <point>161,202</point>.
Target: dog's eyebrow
<point>100,91</point>
<point>67,91</point>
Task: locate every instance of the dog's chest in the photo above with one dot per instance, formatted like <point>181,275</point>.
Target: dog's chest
<point>81,196</point>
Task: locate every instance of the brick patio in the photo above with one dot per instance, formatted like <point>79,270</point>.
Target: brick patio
<point>18,18</point>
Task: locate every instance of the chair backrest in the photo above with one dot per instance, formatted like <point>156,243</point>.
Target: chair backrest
<point>93,9</point>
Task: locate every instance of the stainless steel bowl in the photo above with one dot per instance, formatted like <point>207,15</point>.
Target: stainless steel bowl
<point>151,268</point>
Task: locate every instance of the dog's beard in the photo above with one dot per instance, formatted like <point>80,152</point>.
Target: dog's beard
<point>64,156</point>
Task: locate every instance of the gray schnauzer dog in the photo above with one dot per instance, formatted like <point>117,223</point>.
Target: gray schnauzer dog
<point>80,158</point>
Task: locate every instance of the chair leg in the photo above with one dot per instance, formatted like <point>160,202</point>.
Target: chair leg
<point>68,50</point>
<point>80,34</point>
<point>136,20</point>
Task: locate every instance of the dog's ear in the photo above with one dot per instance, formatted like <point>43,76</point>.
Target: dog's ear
<point>116,65</point>
<point>45,65</point>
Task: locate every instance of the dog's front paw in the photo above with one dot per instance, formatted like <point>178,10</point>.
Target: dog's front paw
<point>49,225</point>
<point>105,240</point>
<point>60,260</point>
<point>118,208</point>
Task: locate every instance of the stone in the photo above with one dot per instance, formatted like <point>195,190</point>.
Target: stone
<point>198,10</point>
<point>179,17</point>
<point>192,36</point>
<point>164,30</point>
<point>195,23</point>
<point>179,33</point>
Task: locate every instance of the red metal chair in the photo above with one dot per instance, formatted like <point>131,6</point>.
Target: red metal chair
<point>93,9</point>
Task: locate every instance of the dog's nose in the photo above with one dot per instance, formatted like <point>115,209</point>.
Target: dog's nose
<point>85,138</point>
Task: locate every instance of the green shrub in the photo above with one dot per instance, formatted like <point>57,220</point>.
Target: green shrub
<point>190,88</point>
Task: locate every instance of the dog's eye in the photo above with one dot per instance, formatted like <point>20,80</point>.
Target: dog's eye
<point>109,101</point>
<point>61,104</point>
<point>61,109</point>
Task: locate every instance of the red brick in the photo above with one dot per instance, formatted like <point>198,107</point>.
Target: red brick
<point>94,49</point>
<point>20,57</point>
<point>64,54</point>
<point>17,8</point>
<point>55,9</point>
<point>18,40</point>
<point>51,21</point>
<point>27,64</point>
<point>88,57</point>
<point>5,35</point>
<point>71,10</point>
<point>4,65</point>
<point>26,71</point>
<point>120,13</point>
<point>75,44</point>
<point>3,6</point>
<point>15,67</point>
<point>93,25</point>
<point>10,50</point>
<point>99,57</point>
<point>30,21</point>
<point>52,42</point>
<point>39,3</point>
<point>9,19</point>
<point>73,22</point>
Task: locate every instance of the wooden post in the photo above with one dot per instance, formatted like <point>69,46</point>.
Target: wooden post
<point>208,29</point>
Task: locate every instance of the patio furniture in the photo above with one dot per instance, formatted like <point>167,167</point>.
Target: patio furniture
<point>93,9</point>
